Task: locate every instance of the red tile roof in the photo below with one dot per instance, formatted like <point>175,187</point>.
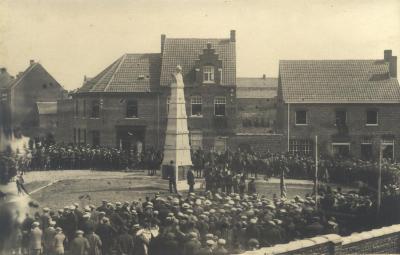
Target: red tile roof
<point>186,51</point>
<point>337,81</point>
<point>129,73</point>
<point>257,82</point>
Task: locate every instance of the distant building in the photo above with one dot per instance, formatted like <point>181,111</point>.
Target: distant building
<point>353,106</point>
<point>126,104</point>
<point>256,104</point>
<point>28,97</point>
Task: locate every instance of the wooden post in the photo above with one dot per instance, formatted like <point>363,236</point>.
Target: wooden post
<point>316,172</point>
<point>379,198</point>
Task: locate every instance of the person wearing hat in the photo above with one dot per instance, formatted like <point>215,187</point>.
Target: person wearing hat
<point>253,244</point>
<point>190,180</point>
<point>48,237</point>
<point>35,239</point>
<point>221,250</point>
<point>58,242</point>
<point>94,242</point>
<point>45,218</point>
<point>193,245</point>
<point>125,242</point>
<point>106,233</point>
<point>79,245</point>
<point>208,249</point>
<point>251,186</point>
<point>170,171</point>
<point>169,244</point>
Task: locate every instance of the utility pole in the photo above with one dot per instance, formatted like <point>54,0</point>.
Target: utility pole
<point>316,173</point>
<point>379,198</point>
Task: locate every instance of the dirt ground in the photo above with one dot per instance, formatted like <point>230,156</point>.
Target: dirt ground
<point>91,187</point>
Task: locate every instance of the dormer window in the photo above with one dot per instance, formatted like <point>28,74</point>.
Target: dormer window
<point>208,74</point>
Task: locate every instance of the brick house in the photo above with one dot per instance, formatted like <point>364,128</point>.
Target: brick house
<point>27,95</point>
<point>353,106</point>
<point>126,104</point>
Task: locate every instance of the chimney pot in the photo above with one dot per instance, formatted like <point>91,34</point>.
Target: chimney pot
<point>31,62</point>
<point>3,70</point>
<point>163,36</point>
<point>387,54</point>
<point>264,76</point>
<point>233,36</point>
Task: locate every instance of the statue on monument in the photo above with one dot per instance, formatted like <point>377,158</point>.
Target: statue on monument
<point>176,146</point>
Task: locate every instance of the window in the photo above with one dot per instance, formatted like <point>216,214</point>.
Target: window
<point>196,140</point>
<point>340,118</point>
<point>387,149</point>
<point>372,117</point>
<point>301,117</point>
<point>208,74</point>
<point>220,144</point>
<point>84,136</point>
<point>168,101</point>
<point>131,109</point>
<point>84,108</point>
<point>196,104</point>
<point>366,149</point>
<point>79,136</point>
<point>95,109</point>
<point>76,108</point>
<point>341,149</point>
<point>74,135</point>
<point>219,106</point>
<point>95,137</point>
<point>300,146</point>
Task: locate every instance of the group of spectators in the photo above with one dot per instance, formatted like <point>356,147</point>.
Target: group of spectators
<point>61,156</point>
<point>202,223</point>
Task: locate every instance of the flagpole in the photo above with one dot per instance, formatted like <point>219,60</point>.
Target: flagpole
<point>378,203</point>
<point>316,172</point>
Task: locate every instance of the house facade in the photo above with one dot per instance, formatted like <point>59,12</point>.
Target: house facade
<point>126,105</point>
<point>351,106</point>
<point>27,95</point>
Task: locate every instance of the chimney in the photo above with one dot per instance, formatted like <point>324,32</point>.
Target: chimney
<point>162,42</point>
<point>31,62</point>
<point>233,36</point>
<point>392,61</point>
<point>3,70</point>
<point>19,74</point>
<point>264,77</point>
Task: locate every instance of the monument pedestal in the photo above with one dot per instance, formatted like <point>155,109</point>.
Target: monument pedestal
<point>176,146</point>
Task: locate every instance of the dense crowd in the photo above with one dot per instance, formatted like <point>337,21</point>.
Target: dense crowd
<point>203,223</point>
<point>60,156</point>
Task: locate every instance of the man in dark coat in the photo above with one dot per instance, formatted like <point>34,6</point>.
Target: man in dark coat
<point>125,243</point>
<point>171,177</point>
<point>190,180</point>
<point>80,245</point>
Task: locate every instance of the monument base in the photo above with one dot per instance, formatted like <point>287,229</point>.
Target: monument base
<point>182,185</point>
<point>180,173</point>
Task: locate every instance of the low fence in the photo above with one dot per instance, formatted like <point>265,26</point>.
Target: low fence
<point>385,240</point>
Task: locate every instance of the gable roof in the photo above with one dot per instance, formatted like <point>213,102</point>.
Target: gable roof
<point>337,81</point>
<point>31,67</point>
<point>129,73</point>
<point>5,79</point>
<point>185,51</point>
<point>256,88</point>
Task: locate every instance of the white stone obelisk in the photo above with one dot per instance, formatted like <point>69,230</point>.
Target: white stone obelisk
<point>176,146</point>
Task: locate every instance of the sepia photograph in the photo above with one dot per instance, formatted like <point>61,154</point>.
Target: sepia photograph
<point>208,127</point>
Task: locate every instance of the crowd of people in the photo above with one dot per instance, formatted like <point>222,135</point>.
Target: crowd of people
<point>201,223</point>
<point>61,157</point>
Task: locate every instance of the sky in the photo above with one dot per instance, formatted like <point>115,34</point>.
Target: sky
<point>73,38</point>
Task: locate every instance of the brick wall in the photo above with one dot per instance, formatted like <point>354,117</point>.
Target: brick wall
<point>385,240</point>
<point>36,86</point>
<point>64,121</point>
<point>258,142</point>
<point>321,122</point>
